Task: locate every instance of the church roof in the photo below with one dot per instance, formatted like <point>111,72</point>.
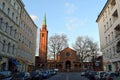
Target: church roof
<point>67,48</point>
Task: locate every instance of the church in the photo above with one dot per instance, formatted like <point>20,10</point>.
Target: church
<point>66,59</point>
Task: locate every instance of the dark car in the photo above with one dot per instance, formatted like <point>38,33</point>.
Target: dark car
<point>5,75</point>
<point>110,76</point>
<point>36,75</point>
<point>53,72</point>
<point>21,76</point>
<point>46,74</point>
<point>92,75</point>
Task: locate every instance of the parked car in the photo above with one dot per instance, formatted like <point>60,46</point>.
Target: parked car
<point>56,69</point>
<point>46,74</point>
<point>36,75</point>
<point>83,73</point>
<point>110,76</point>
<point>5,75</point>
<point>53,72</point>
<point>92,75</point>
<point>21,76</point>
<point>100,75</point>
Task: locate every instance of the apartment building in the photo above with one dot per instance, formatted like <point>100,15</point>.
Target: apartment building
<point>17,36</point>
<point>109,31</point>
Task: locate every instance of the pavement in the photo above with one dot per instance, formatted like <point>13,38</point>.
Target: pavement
<point>67,76</point>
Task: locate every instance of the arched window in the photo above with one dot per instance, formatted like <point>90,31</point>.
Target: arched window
<point>3,6</point>
<point>8,12</point>
<point>12,15</point>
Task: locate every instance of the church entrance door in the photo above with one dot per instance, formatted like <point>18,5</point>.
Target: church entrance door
<point>68,65</point>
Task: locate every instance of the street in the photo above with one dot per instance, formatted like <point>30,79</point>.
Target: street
<point>67,76</point>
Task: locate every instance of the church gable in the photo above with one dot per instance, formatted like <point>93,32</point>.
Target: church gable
<point>68,54</point>
<point>67,49</point>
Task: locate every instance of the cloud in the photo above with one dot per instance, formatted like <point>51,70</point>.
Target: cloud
<point>70,8</point>
<point>34,17</point>
<point>74,23</point>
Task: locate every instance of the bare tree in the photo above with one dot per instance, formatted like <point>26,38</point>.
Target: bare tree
<point>85,47</point>
<point>57,43</point>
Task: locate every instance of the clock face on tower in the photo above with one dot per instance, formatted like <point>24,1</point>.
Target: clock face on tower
<point>67,54</point>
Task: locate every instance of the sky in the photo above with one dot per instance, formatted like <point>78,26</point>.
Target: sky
<point>70,17</point>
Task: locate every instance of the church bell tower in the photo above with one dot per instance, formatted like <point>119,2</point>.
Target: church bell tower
<point>43,42</point>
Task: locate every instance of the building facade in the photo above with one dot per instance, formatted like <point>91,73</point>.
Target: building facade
<point>68,60</point>
<point>17,36</point>
<point>109,31</point>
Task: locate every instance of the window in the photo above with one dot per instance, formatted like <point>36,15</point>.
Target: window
<point>110,53</point>
<point>10,30</point>
<point>13,49</point>
<point>1,22</point>
<point>18,9</point>
<point>12,15</point>
<point>112,35</point>
<point>113,50</point>
<point>104,27</point>
<point>67,54</point>
<point>107,53</point>
<point>16,19</point>
<point>14,5</point>
<point>108,10</point>
<point>42,34</point>
<point>8,11</point>
<point>3,6</point>
<point>15,33</point>
<point>109,38</point>
<point>8,48</point>
<point>3,48</point>
<point>106,39</point>
<point>110,22</point>
<point>6,27</point>
<point>107,25</point>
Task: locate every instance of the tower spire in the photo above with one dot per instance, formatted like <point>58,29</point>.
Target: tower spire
<point>44,21</point>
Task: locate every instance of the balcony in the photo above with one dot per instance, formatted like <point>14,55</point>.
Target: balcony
<point>117,31</point>
<point>118,47</point>
<point>115,16</point>
<point>113,3</point>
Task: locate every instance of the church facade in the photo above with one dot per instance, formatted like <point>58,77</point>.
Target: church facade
<point>67,60</point>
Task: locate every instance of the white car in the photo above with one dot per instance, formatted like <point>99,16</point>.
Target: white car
<point>82,73</point>
<point>56,69</point>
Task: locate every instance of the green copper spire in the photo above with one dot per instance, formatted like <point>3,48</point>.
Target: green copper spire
<point>44,21</point>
